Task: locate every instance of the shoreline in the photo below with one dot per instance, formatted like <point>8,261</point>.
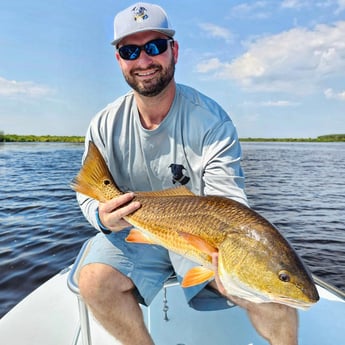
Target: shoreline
<point>80,139</point>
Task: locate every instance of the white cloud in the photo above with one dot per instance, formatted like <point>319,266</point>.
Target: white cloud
<point>217,31</point>
<point>264,9</point>
<point>272,104</point>
<point>310,4</point>
<point>298,60</point>
<point>280,103</point>
<point>26,88</point>
<point>331,94</point>
<point>294,4</point>
<point>209,65</point>
<point>256,9</point>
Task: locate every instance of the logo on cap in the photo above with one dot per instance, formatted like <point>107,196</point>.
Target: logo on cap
<point>140,13</point>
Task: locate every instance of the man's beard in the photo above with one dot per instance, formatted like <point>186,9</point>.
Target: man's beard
<point>156,85</point>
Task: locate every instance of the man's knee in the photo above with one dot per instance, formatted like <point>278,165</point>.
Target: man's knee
<point>96,281</point>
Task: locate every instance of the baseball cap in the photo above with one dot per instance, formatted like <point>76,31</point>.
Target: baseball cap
<point>141,17</point>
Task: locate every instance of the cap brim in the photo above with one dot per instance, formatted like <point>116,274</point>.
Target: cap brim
<point>168,32</point>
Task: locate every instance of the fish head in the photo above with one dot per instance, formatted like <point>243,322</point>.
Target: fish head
<point>261,272</point>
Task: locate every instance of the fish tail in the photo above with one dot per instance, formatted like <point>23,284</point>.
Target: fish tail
<point>94,178</point>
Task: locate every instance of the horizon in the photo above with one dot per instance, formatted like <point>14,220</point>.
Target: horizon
<point>22,136</point>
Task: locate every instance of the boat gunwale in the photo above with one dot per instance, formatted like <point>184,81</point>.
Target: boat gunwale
<point>331,288</point>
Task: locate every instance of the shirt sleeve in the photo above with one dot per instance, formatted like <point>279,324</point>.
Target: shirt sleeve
<point>89,206</point>
<point>223,174</point>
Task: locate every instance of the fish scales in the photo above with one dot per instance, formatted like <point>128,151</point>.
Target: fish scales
<point>165,218</point>
<point>185,213</point>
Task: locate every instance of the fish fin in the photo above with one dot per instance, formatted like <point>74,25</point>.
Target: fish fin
<point>198,243</point>
<point>94,178</point>
<point>136,236</point>
<point>197,275</point>
<point>178,191</point>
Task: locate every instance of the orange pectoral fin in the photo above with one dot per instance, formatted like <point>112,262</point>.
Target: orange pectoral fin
<point>197,275</point>
<point>198,243</point>
<point>136,236</point>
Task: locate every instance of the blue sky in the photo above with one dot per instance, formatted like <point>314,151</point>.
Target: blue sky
<point>277,67</point>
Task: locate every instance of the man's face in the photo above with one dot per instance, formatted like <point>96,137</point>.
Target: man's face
<point>148,75</point>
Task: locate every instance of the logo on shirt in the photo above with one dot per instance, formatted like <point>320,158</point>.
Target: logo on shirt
<point>177,172</point>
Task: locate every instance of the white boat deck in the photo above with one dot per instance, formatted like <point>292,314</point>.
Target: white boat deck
<point>50,316</point>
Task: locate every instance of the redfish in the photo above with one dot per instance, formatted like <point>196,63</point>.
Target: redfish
<point>255,261</point>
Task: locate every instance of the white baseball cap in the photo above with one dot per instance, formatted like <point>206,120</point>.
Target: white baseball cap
<point>141,17</point>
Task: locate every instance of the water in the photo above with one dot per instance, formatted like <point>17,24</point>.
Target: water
<point>299,187</point>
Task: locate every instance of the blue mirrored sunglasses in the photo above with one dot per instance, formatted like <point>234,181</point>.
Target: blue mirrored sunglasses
<point>152,48</point>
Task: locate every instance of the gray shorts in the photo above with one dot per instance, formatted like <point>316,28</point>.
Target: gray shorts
<point>149,266</point>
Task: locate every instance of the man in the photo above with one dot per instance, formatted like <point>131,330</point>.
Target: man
<point>158,135</point>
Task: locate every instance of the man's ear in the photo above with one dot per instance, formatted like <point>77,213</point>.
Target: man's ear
<point>117,55</point>
<point>175,48</point>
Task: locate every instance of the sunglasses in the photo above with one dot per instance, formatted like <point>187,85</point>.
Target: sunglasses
<point>152,48</point>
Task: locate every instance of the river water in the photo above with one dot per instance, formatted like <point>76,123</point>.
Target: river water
<point>300,187</point>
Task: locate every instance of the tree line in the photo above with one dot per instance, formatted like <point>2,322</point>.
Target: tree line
<point>320,139</point>
<point>40,138</point>
<point>80,139</point>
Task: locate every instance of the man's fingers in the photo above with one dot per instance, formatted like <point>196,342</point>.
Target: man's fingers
<point>128,209</point>
<point>117,202</point>
<point>112,212</point>
<point>215,260</point>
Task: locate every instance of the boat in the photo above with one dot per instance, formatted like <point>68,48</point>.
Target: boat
<point>54,314</point>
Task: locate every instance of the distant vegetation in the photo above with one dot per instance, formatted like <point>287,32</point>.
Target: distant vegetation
<point>320,139</point>
<point>80,139</point>
<point>40,138</point>
<point>332,137</point>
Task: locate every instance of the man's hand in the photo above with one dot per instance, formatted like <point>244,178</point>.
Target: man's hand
<point>111,213</point>
<point>276,323</point>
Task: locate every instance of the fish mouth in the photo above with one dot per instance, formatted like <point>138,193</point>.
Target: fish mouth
<point>292,302</point>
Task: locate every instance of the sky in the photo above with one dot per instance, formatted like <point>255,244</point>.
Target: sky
<point>277,67</point>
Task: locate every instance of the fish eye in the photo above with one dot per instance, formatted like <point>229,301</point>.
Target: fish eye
<point>284,276</point>
<point>106,182</point>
